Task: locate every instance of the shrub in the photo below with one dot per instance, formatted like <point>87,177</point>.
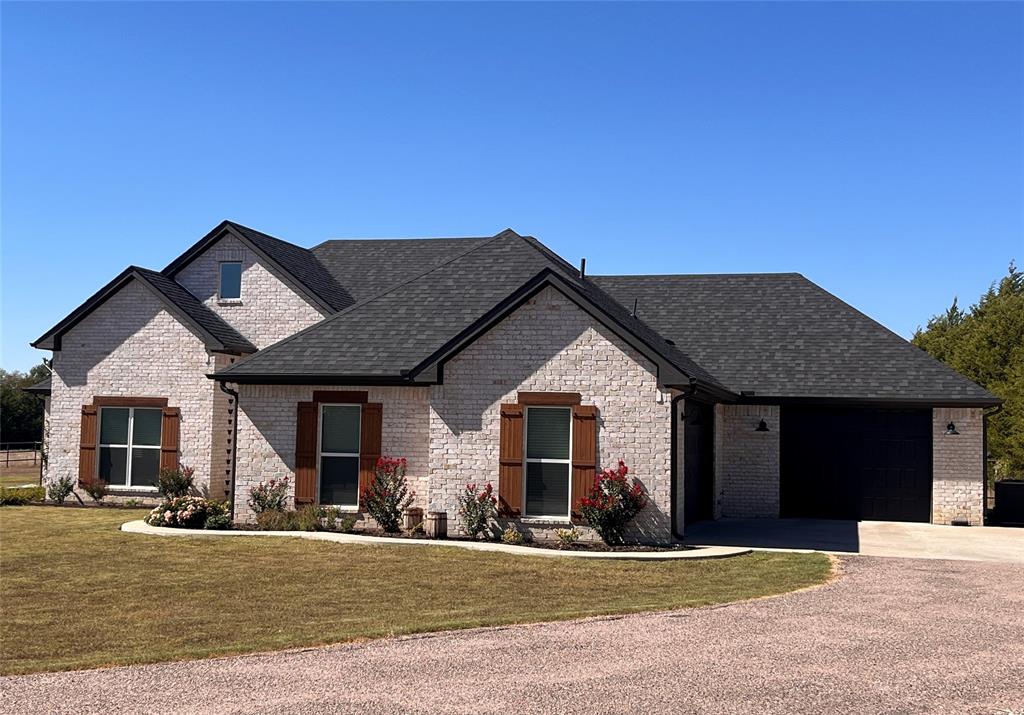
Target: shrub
<point>132,502</point>
<point>338,521</point>
<point>276,520</point>
<point>177,482</point>
<point>388,494</point>
<point>512,536</point>
<point>59,490</point>
<point>477,507</point>
<point>309,517</point>
<point>612,503</point>
<point>567,537</point>
<point>269,496</point>
<point>19,496</point>
<point>97,489</point>
<point>190,512</point>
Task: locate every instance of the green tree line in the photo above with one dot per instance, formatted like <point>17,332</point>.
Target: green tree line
<point>986,344</point>
<point>21,413</point>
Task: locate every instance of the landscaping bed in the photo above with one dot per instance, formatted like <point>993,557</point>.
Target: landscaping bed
<point>65,571</point>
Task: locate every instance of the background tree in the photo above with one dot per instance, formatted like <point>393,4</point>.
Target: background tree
<point>21,413</point>
<point>986,343</point>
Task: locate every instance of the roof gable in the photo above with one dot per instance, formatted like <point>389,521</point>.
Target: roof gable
<point>185,307</point>
<point>296,267</point>
<point>406,330</point>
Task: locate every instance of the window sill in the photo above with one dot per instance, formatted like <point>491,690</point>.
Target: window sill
<point>229,301</point>
<point>545,521</point>
<point>132,491</point>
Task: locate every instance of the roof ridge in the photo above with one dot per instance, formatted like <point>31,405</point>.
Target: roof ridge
<point>346,311</point>
<point>695,275</point>
<point>381,239</point>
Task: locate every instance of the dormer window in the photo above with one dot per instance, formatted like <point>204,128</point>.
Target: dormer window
<point>230,281</point>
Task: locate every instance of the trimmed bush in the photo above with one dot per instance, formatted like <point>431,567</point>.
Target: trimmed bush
<point>19,496</point>
<point>190,513</point>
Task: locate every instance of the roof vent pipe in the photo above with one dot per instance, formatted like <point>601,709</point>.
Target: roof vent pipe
<point>634,308</point>
<point>583,268</point>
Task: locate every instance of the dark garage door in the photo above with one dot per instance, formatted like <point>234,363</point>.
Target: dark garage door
<point>847,463</point>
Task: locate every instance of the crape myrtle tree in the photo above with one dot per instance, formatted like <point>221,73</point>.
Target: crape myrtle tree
<point>986,343</point>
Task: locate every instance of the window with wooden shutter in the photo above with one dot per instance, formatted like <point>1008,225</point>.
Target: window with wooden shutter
<point>305,453</point>
<point>87,442</point>
<point>510,461</point>
<point>584,453</point>
<point>369,444</point>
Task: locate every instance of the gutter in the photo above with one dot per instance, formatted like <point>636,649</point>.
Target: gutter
<point>995,410</point>
<point>687,391</point>
<point>234,446</point>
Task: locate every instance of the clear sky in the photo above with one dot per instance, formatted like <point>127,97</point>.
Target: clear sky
<point>876,148</point>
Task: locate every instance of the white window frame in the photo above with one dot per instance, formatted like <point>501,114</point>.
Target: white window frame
<point>567,516</point>
<point>129,448</point>
<point>220,280</point>
<point>320,454</point>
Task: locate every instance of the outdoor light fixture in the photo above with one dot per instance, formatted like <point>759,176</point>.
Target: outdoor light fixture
<point>951,429</point>
<point>762,426</point>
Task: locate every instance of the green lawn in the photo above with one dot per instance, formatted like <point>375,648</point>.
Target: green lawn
<point>77,593</point>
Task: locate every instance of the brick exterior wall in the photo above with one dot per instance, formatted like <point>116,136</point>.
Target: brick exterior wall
<point>266,434</point>
<point>746,462</point>
<point>549,344</point>
<point>958,466</point>
<point>268,311</point>
<point>130,346</point>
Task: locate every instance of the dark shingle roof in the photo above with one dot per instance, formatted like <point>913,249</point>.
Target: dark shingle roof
<point>40,388</point>
<point>781,335</point>
<point>366,267</point>
<point>222,333</point>
<point>301,263</point>
<point>398,329</point>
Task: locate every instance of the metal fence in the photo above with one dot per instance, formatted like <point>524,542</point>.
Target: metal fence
<point>23,453</point>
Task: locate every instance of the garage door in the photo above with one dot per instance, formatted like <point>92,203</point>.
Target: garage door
<point>847,463</point>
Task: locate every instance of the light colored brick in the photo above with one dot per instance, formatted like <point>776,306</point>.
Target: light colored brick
<point>958,466</point>
<point>268,311</point>
<point>746,462</point>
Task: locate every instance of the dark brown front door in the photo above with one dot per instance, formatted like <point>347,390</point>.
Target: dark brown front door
<point>856,463</point>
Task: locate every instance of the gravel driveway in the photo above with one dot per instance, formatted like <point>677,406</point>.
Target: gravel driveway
<point>890,636</point>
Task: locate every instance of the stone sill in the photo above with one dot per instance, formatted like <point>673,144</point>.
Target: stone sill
<point>229,301</point>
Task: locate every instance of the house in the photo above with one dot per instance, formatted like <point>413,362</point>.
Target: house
<point>493,359</point>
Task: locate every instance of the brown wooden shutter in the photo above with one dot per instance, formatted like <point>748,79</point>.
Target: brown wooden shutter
<point>87,447</point>
<point>510,461</point>
<point>584,452</point>
<point>170,437</point>
<point>305,453</point>
<point>369,444</point>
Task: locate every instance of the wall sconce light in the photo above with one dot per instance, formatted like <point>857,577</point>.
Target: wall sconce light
<point>762,426</point>
<point>951,429</point>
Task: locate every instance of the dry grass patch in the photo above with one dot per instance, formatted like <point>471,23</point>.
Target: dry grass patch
<point>77,593</point>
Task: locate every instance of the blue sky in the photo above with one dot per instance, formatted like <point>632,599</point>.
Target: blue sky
<point>876,148</point>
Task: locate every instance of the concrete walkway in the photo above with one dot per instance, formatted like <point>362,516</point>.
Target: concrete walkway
<point>704,552</point>
<point>889,636</point>
<point>865,538</point>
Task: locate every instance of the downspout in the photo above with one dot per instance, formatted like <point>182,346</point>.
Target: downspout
<point>687,391</point>
<point>234,446</point>
<point>984,458</point>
